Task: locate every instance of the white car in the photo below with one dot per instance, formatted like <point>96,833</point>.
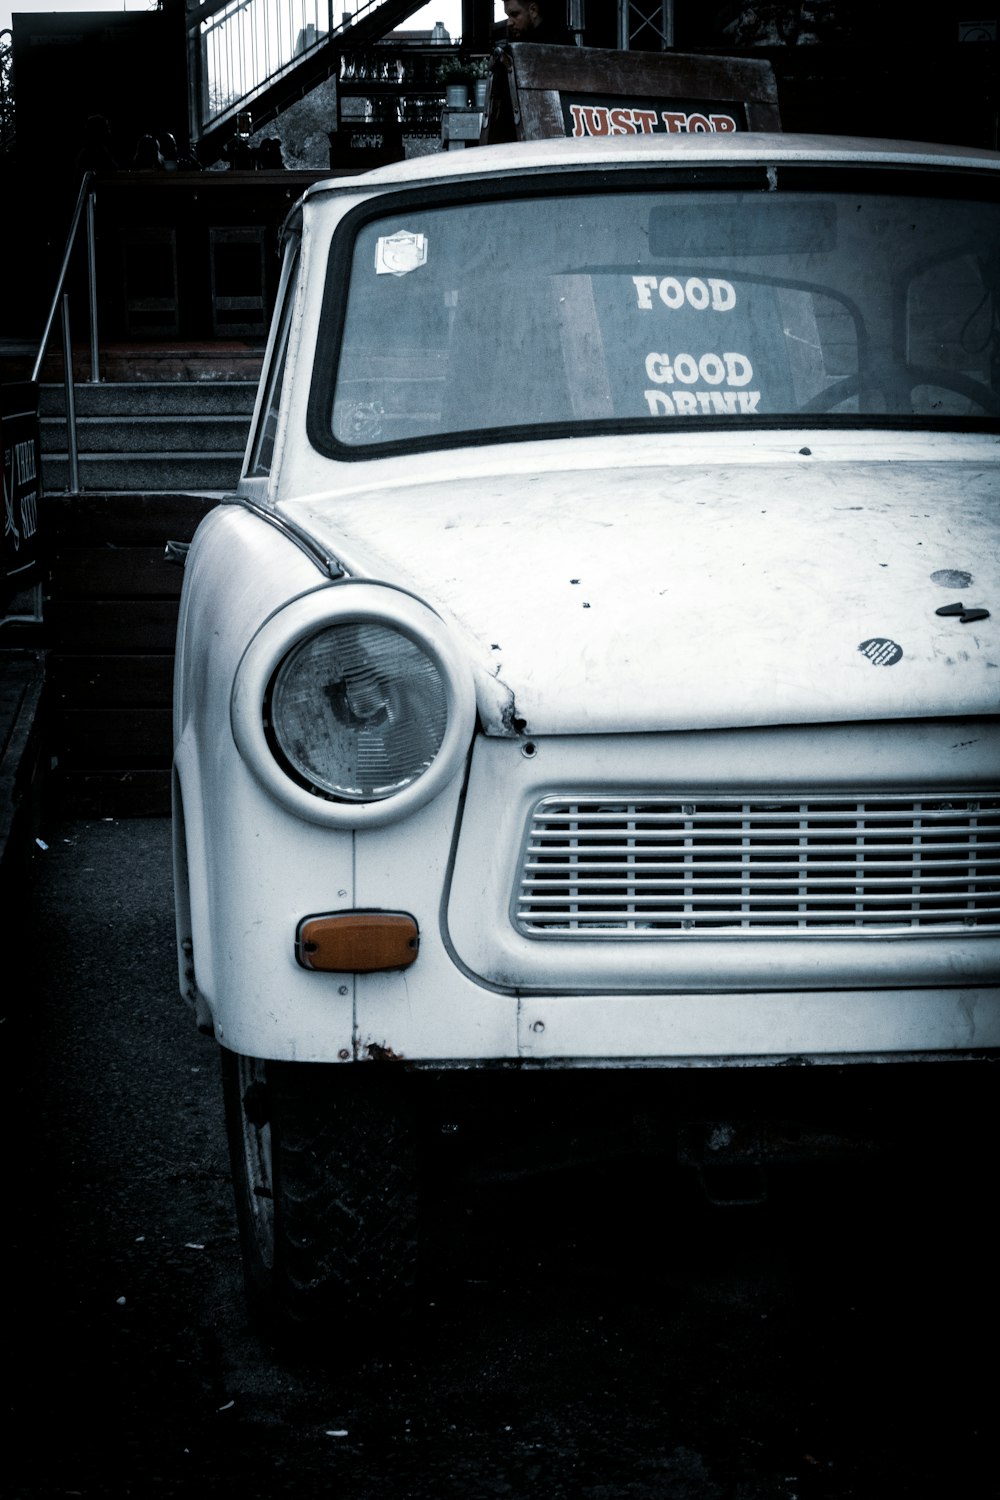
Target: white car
<point>598,666</point>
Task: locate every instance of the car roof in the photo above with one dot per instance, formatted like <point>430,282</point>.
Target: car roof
<point>745,147</point>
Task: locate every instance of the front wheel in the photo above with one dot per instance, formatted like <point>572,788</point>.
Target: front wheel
<point>324,1173</point>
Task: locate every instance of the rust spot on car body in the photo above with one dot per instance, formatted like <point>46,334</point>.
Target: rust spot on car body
<point>379,1053</point>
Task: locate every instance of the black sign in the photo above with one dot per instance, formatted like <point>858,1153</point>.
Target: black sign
<point>364,144</point>
<point>19,425</point>
<point>587,115</point>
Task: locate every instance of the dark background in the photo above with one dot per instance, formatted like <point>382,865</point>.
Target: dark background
<point>842,68</point>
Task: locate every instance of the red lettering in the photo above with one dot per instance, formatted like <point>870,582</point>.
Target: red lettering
<point>622,122</point>
<point>599,120</point>
<point>595,121</point>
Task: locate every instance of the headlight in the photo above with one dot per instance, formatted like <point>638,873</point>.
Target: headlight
<point>353,706</point>
<point>359,711</point>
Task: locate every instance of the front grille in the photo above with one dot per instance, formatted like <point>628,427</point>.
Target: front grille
<point>610,866</point>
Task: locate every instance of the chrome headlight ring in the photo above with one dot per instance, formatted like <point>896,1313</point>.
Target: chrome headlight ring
<point>296,652</point>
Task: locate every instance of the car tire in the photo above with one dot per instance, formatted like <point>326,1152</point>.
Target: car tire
<point>324,1172</point>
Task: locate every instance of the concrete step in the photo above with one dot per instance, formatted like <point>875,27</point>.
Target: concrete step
<point>153,363</point>
<point>132,433</point>
<point>167,398</point>
<point>144,471</point>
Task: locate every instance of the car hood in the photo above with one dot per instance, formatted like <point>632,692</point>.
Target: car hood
<point>709,595</point>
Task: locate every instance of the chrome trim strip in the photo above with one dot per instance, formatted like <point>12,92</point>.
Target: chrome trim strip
<point>329,566</point>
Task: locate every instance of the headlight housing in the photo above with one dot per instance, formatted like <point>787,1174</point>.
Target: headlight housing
<point>352,705</point>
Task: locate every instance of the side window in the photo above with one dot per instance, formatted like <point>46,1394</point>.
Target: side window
<point>262,451</point>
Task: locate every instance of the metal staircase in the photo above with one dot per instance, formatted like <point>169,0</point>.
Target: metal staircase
<point>260,56</point>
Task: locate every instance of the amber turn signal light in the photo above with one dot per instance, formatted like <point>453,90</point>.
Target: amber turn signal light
<point>357,942</point>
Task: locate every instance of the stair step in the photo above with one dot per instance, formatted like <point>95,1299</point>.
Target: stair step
<point>168,398</point>
<point>148,435</point>
<point>145,471</point>
<point>145,434</point>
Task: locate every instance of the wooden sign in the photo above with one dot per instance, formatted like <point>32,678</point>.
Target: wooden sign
<point>537,93</point>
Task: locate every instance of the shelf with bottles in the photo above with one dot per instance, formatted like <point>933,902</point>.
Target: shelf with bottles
<point>398,71</point>
<point>407,87</point>
<point>417,113</point>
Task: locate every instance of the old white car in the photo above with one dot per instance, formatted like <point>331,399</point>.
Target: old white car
<point>598,665</point>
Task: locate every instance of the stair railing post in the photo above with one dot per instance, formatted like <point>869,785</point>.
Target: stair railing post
<point>74,462</point>
<point>95,373</point>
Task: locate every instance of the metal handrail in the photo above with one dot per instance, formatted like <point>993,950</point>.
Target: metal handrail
<point>85,200</point>
<point>60,303</point>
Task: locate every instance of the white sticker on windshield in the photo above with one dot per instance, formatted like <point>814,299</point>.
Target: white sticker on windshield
<point>399,254</point>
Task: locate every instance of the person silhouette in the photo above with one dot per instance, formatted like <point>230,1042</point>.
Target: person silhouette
<point>95,153</point>
<point>146,157</point>
<point>527,22</point>
<point>268,155</point>
<point>173,157</point>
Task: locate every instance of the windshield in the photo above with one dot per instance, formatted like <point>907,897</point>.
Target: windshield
<point>662,307</point>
